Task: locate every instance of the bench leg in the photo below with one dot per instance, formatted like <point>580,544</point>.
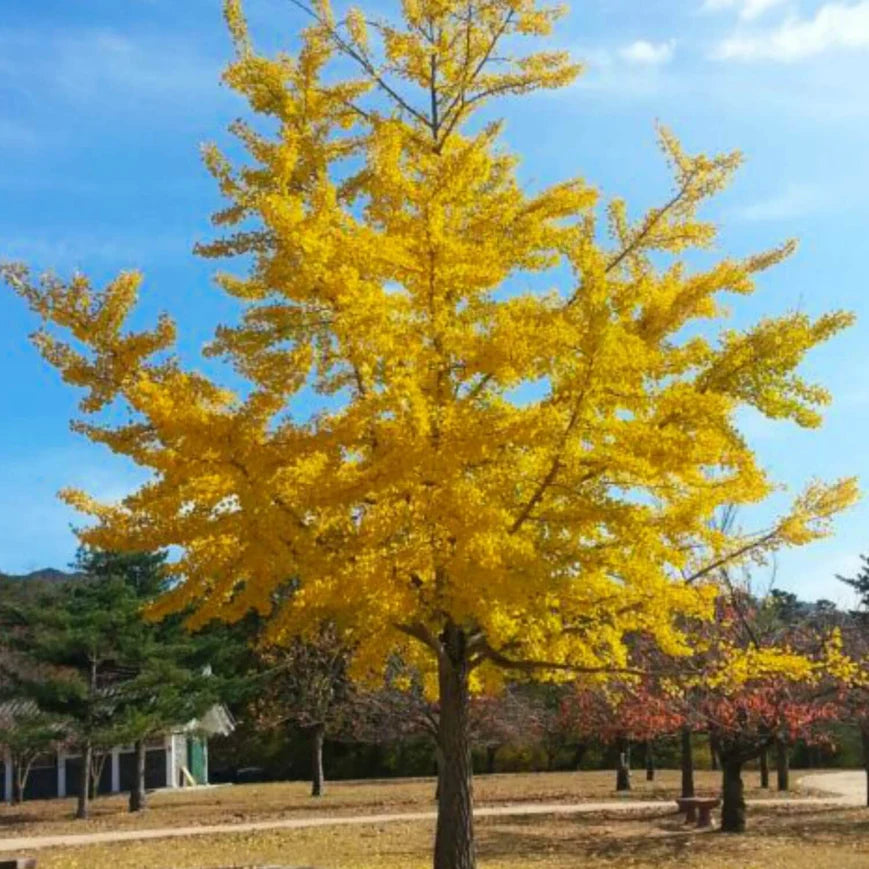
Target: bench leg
<point>705,819</point>
<point>691,814</point>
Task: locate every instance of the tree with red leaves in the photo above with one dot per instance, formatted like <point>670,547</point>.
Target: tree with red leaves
<point>747,701</point>
<point>855,686</point>
<point>621,714</point>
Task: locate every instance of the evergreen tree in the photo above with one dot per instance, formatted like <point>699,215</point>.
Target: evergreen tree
<point>84,653</point>
<point>860,584</point>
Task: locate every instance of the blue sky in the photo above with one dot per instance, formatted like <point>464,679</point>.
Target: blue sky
<point>103,106</point>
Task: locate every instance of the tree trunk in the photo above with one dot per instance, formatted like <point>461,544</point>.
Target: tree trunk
<point>782,764</point>
<point>454,839</point>
<point>138,799</point>
<point>623,770</point>
<point>579,754</point>
<point>865,734</point>
<point>317,782</point>
<point>687,764</point>
<point>764,768</point>
<point>491,751</point>
<point>20,774</point>
<point>733,803</point>
<point>84,803</point>
<point>713,752</point>
<point>98,763</point>
<point>650,760</point>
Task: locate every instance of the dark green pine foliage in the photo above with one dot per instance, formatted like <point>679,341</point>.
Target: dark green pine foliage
<point>84,652</point>
<point>860,584</point>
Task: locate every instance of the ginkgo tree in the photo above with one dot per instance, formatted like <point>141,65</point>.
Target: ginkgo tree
<point>498,478</point>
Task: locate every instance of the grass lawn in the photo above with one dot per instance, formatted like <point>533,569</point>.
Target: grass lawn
<point>262,802</point>
<point>800,836</point>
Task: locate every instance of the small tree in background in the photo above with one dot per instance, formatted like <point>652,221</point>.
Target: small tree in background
<point>621,714</point>
<point>307,683</point>
<point>510,717</point>
<point>82,653</point>
<point>26,734</point>
<point>855,686</point>
<point>69,656</point>
<point>758,682</point>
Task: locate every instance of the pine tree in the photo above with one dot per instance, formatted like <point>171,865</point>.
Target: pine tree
<point>84,655</point>
<point>860,584</point>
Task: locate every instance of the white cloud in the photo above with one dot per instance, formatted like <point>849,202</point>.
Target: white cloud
<point>834,26</point>
<point>653,53</point>
<point>748,9</point>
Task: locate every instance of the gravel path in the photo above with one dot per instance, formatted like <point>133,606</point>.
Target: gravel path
<point>848,788</point>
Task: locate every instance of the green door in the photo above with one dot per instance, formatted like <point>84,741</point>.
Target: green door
<point>196,759</point>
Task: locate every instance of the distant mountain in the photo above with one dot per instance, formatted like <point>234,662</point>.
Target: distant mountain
<point>29,585</point>
<point>48,575</point>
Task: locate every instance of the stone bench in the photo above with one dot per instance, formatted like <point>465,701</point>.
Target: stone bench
<point>698,809</point>
<point>17,863</point>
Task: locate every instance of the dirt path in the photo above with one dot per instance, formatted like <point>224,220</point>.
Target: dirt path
<point>850,785</point>
<point>848,788</point>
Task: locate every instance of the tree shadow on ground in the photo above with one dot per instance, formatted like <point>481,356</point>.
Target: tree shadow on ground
<point>660,838</point>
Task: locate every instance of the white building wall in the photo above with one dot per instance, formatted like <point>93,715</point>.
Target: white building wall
<point>61,773</point>
<point>116,770</point>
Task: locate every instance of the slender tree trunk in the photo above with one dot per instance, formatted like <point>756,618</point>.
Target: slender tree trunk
<point>650,760</point>
<point>713,752</point>
<point>623,770</point>
<point>782,764</point>
<point>764,768</point>
<point>454,839</point>
<point>733,803</point>
<point>20,774</point>
<point>491,751</point>
<point>84,803</point>
<point>138,798</point>
<point>864,731</point>
<point>317,738</point>
<point>687,764</point>
<point>98,763</point>
<point>579,754</point>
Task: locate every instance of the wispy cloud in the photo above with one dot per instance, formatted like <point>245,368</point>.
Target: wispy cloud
<point>834,26</point>
<point>796,200</point>
<point>98,65</point>
<point>748,9</point>
<point>633,71</point>
<point>651,53</point>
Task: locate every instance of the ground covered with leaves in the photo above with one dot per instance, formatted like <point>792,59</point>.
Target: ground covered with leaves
<point>794,837</point>
<point>263,802</point>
